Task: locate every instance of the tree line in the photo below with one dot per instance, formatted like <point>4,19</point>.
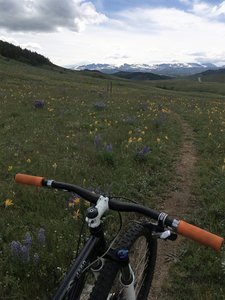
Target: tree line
<point>15,52</point>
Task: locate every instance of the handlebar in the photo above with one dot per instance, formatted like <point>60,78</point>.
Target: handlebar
<point>190,231</point>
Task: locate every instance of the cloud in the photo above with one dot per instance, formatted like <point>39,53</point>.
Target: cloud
<point>214,57</point>
<point>48,15</point>
<point>207,10</point>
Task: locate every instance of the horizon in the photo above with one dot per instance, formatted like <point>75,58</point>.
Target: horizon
<point>117,32</point>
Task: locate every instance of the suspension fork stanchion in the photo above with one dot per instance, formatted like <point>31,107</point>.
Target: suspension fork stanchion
<point>127,276</point>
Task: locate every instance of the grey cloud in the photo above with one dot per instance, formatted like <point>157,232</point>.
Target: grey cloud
<point>47,15</point>
<point>204,57</point>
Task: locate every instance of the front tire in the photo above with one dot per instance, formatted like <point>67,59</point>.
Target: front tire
<point>142,255</point>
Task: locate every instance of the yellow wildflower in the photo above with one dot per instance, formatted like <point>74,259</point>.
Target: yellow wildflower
<point>166,137</point>
<point>29,160</point>
<point>139,139</point>
<point>54,165</point>
<point>76,200</point>
<point>130,132</point>
<point>8,202</point>
<point>130,140</point>
<point>76,215</point>
<point>71,204</point>
<point>209,134</point>
<point>86,203</point>
<point>10,168</point>
<point>158,140</point>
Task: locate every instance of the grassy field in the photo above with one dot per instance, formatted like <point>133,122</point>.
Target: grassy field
<point>64,125</point>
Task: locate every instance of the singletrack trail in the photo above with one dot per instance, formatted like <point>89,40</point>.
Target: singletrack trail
<point>177,204</point>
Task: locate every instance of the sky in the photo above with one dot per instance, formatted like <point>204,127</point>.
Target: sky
<point>76,32</point>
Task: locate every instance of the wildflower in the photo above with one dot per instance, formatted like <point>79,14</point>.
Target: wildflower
<point>108,148</point>
<point>15,248</point>
<point>28,240</point>
<point>25,255</point>
<point>86,203</point>
<point>29,160</point>
<point>54,165</point>
<point>166,137</point>
<point>39,104</point>
<point>130,140</point>
<point>76,215</point>
<point>76,200</point>
<point>158,140</point>
<point>100,106</point>
<point>10,168</point>
<point>41,236</point>
<point>141,154</point>
<point>139,139</point>
<point>8,202</point>
<point>73,201</point>
<point>97,141</point>
<point>130,132</point>
<point>210,134</point>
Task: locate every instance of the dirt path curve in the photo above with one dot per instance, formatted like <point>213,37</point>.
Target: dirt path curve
<point>177,204</point>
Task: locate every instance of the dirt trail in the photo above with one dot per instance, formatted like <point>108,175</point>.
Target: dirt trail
<point>177,204</point>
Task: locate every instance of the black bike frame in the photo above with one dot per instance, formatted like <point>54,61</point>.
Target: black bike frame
<point>94,247</point>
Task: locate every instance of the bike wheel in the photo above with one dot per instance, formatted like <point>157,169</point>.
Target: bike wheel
<point>142,255</point>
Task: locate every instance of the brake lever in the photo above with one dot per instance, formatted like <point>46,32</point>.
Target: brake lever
<point>165,235</point>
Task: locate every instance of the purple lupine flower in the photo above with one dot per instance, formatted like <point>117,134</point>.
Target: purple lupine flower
<point>39,104</point>
<point>41,236</point>
<point>97,141</point>
<point>28,240</point>
<point>100,105</point>
<point>108,148</point>
<point>16,248</point>
<point>146,150</point>
<point>141,154</point>
<point>36,258</point>
<point>25,254</point>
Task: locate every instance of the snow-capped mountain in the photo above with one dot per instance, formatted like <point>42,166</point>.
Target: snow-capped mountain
<point>172,69</point>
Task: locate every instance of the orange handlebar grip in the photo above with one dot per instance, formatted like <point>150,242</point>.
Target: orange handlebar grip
<point>29,179</point>
<point>200,235</point>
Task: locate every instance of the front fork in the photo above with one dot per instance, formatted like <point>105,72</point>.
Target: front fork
<point>127,279</point>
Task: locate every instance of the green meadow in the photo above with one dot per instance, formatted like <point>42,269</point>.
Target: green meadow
<point>67,126</point>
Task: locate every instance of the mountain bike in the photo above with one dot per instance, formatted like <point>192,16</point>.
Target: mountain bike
<point>122,268</point>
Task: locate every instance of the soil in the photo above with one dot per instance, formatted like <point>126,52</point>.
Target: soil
<point>177,204</point>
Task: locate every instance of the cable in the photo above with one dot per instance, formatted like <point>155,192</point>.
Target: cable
<point>110,245</point>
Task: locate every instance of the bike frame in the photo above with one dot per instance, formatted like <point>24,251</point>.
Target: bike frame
<point>92,248</point>
<point>95,247</point>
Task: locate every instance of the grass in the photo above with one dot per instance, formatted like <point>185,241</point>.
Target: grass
<point>202,269</point>
<point>86,136</point>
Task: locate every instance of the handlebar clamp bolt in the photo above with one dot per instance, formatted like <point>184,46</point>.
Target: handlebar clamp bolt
<point>92,212</point>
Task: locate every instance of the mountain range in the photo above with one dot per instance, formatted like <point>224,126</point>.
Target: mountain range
<point>166,69</point>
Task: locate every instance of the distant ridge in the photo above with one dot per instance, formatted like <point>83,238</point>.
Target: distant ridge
<point>166,69</point>
<point>140,76</point>
<point>210,76</point>
<point>11,51</point>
